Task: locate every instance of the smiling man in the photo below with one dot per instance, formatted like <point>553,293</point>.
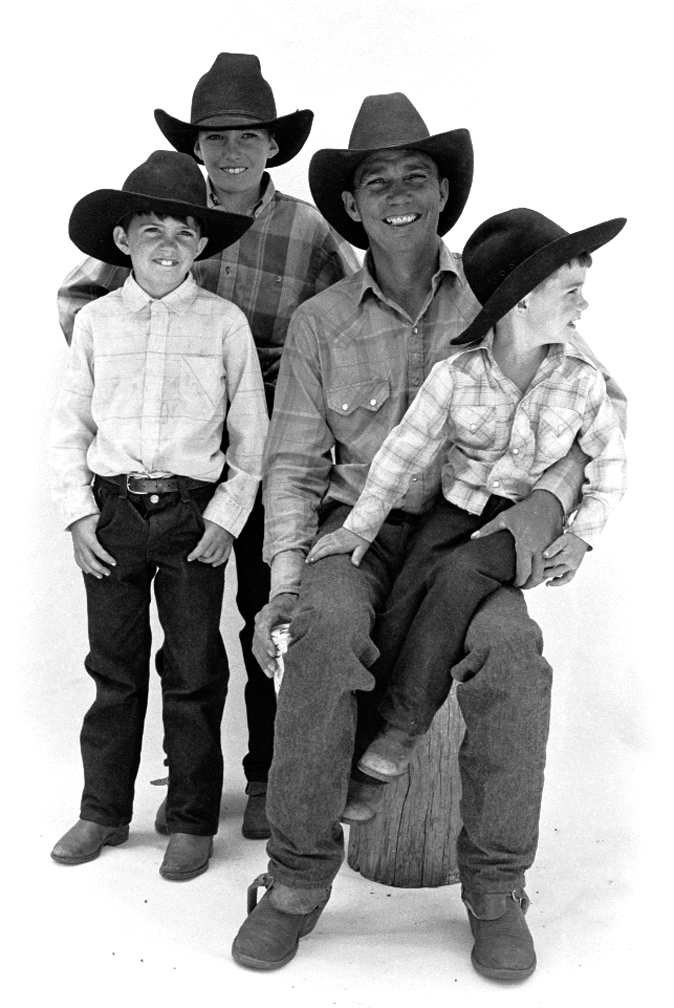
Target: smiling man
<point>355,358</point>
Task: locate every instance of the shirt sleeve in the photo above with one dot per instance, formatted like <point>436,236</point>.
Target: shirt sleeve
<point>601,439</point>
<point>72,432</point>
<point>247,426</point>
<point>410,447</point>
<point>90,280</point>
<point>298,457</point>
<point>565,478</point>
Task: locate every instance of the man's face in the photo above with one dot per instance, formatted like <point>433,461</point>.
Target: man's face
<point>235,159</point>
<point>162,251</point>
<point>397,196</point>
<point>555,306</point>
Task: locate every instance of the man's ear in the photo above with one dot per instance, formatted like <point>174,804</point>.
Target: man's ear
<point>120,239</point>
<point>444,192</point>
<point>197,149</point>
<point>203,242</point>
<point>273,148</point>
<point>350,206</point>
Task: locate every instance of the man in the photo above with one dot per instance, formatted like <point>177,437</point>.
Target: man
<point>287,255</point>
<point>355,357</point>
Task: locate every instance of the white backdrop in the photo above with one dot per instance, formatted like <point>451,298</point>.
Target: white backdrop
<point>565,103</point>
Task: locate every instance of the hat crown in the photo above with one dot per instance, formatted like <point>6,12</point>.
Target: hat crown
<point>234,84</point>
<point>501,244</point>
<point>168,175</point>
<point>387,120</point>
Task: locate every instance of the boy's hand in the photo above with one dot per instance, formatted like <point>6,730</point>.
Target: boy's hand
<point>534,523</point>
<point>339,541</point>
<point>214,546</point>
<point>280,609</point>
<point>562,558</point>
<point>87,549</point>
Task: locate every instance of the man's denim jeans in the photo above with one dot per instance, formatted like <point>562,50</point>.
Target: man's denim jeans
<point>150,542</point>
<point>503,692</point>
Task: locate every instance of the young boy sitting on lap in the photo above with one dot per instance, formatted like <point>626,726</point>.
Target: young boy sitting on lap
<point>155,367</point>
<point>503,410</point>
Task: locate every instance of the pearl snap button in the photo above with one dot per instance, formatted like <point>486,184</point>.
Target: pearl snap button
<point>373,402</point>
<point>345,406</point>
<point>496,483</point>
<point>155,498</point>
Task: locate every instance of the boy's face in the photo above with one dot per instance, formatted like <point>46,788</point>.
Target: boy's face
<point>162,251</point>
<point>235,159</point>
<point>555,306</point>
<point>397,197</point>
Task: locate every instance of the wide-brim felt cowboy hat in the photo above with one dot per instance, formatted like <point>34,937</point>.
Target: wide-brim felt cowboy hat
<point>233,94</point>
<point>389,122</point>
<point>511,253</point>
<point>167,183</point>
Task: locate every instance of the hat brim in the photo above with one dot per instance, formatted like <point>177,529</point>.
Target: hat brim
<point>94,217</point>
<point>331,174</point>
<point>290,133</point>
<point>534,270</point>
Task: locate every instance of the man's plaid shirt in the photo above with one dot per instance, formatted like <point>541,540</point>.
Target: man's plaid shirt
<point>494,440</point>
<point>352,364</point>
<point>287,255</point>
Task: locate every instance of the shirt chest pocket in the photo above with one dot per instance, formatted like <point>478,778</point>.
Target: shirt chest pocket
<point>367,397</point>
<point>557,429</point>
<point>474,426</point>
<point>198,391</point>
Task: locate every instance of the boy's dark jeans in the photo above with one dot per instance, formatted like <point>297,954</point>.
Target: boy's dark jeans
<point>150,542</point>
<point>422,630</point>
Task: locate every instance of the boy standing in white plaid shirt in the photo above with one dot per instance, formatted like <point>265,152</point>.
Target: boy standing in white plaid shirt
<point>151,500</point>
<point>504,410</point>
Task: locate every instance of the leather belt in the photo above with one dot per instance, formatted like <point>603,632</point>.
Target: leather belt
<point>148,485</point>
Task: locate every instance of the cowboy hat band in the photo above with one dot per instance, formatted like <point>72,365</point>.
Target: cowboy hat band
<point>389,122</point>
<point>167,183</point>
<point>232,94</point>
<point>511,253</point>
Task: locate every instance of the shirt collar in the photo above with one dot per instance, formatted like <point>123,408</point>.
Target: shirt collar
<point>179,300</point>
<point>268,192</point>
<point>447,263</point>
<point>557,352</point>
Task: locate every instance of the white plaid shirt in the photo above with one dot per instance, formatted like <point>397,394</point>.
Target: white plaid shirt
<point>148,386</point>
<point>494,440</point>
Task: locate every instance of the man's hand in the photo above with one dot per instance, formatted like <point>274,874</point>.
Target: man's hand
<point>87,549</point>
<point>562,559</point>
<point>280,609</point>
<point>534,523</point>
<point>214,546</point>
<point>339,541</point>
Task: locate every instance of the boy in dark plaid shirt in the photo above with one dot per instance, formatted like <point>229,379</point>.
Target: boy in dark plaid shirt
<point>288,255</point>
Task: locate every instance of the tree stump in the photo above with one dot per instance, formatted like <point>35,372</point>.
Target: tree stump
<point>411,842</point>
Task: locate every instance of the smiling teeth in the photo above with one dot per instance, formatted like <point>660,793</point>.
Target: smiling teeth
<point>403,219</point>
<point>167,262</point>
<point>233,171</point>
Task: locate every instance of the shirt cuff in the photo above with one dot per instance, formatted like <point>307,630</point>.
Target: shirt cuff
<point>78,504</point>
<point>287,569</point>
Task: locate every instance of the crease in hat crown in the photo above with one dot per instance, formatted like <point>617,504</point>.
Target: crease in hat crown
<point>167,182</point>
<point>511,253</point>
<point>231,94</point>
<point>389,122</point>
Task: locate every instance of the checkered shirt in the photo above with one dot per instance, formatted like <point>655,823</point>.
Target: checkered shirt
<point>148,386</point>
<point>491,439</point>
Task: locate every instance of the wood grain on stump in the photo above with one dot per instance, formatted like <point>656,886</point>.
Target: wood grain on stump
<point>412,841</point>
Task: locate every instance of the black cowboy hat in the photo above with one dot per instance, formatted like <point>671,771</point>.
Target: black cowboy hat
<point>389,122</point>
<point>513,252</point>
<point>232,94</point>
<point>167,182</point>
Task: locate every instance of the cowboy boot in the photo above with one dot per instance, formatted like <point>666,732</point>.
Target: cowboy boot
<point>270,935</point>
<point>504,948</point>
